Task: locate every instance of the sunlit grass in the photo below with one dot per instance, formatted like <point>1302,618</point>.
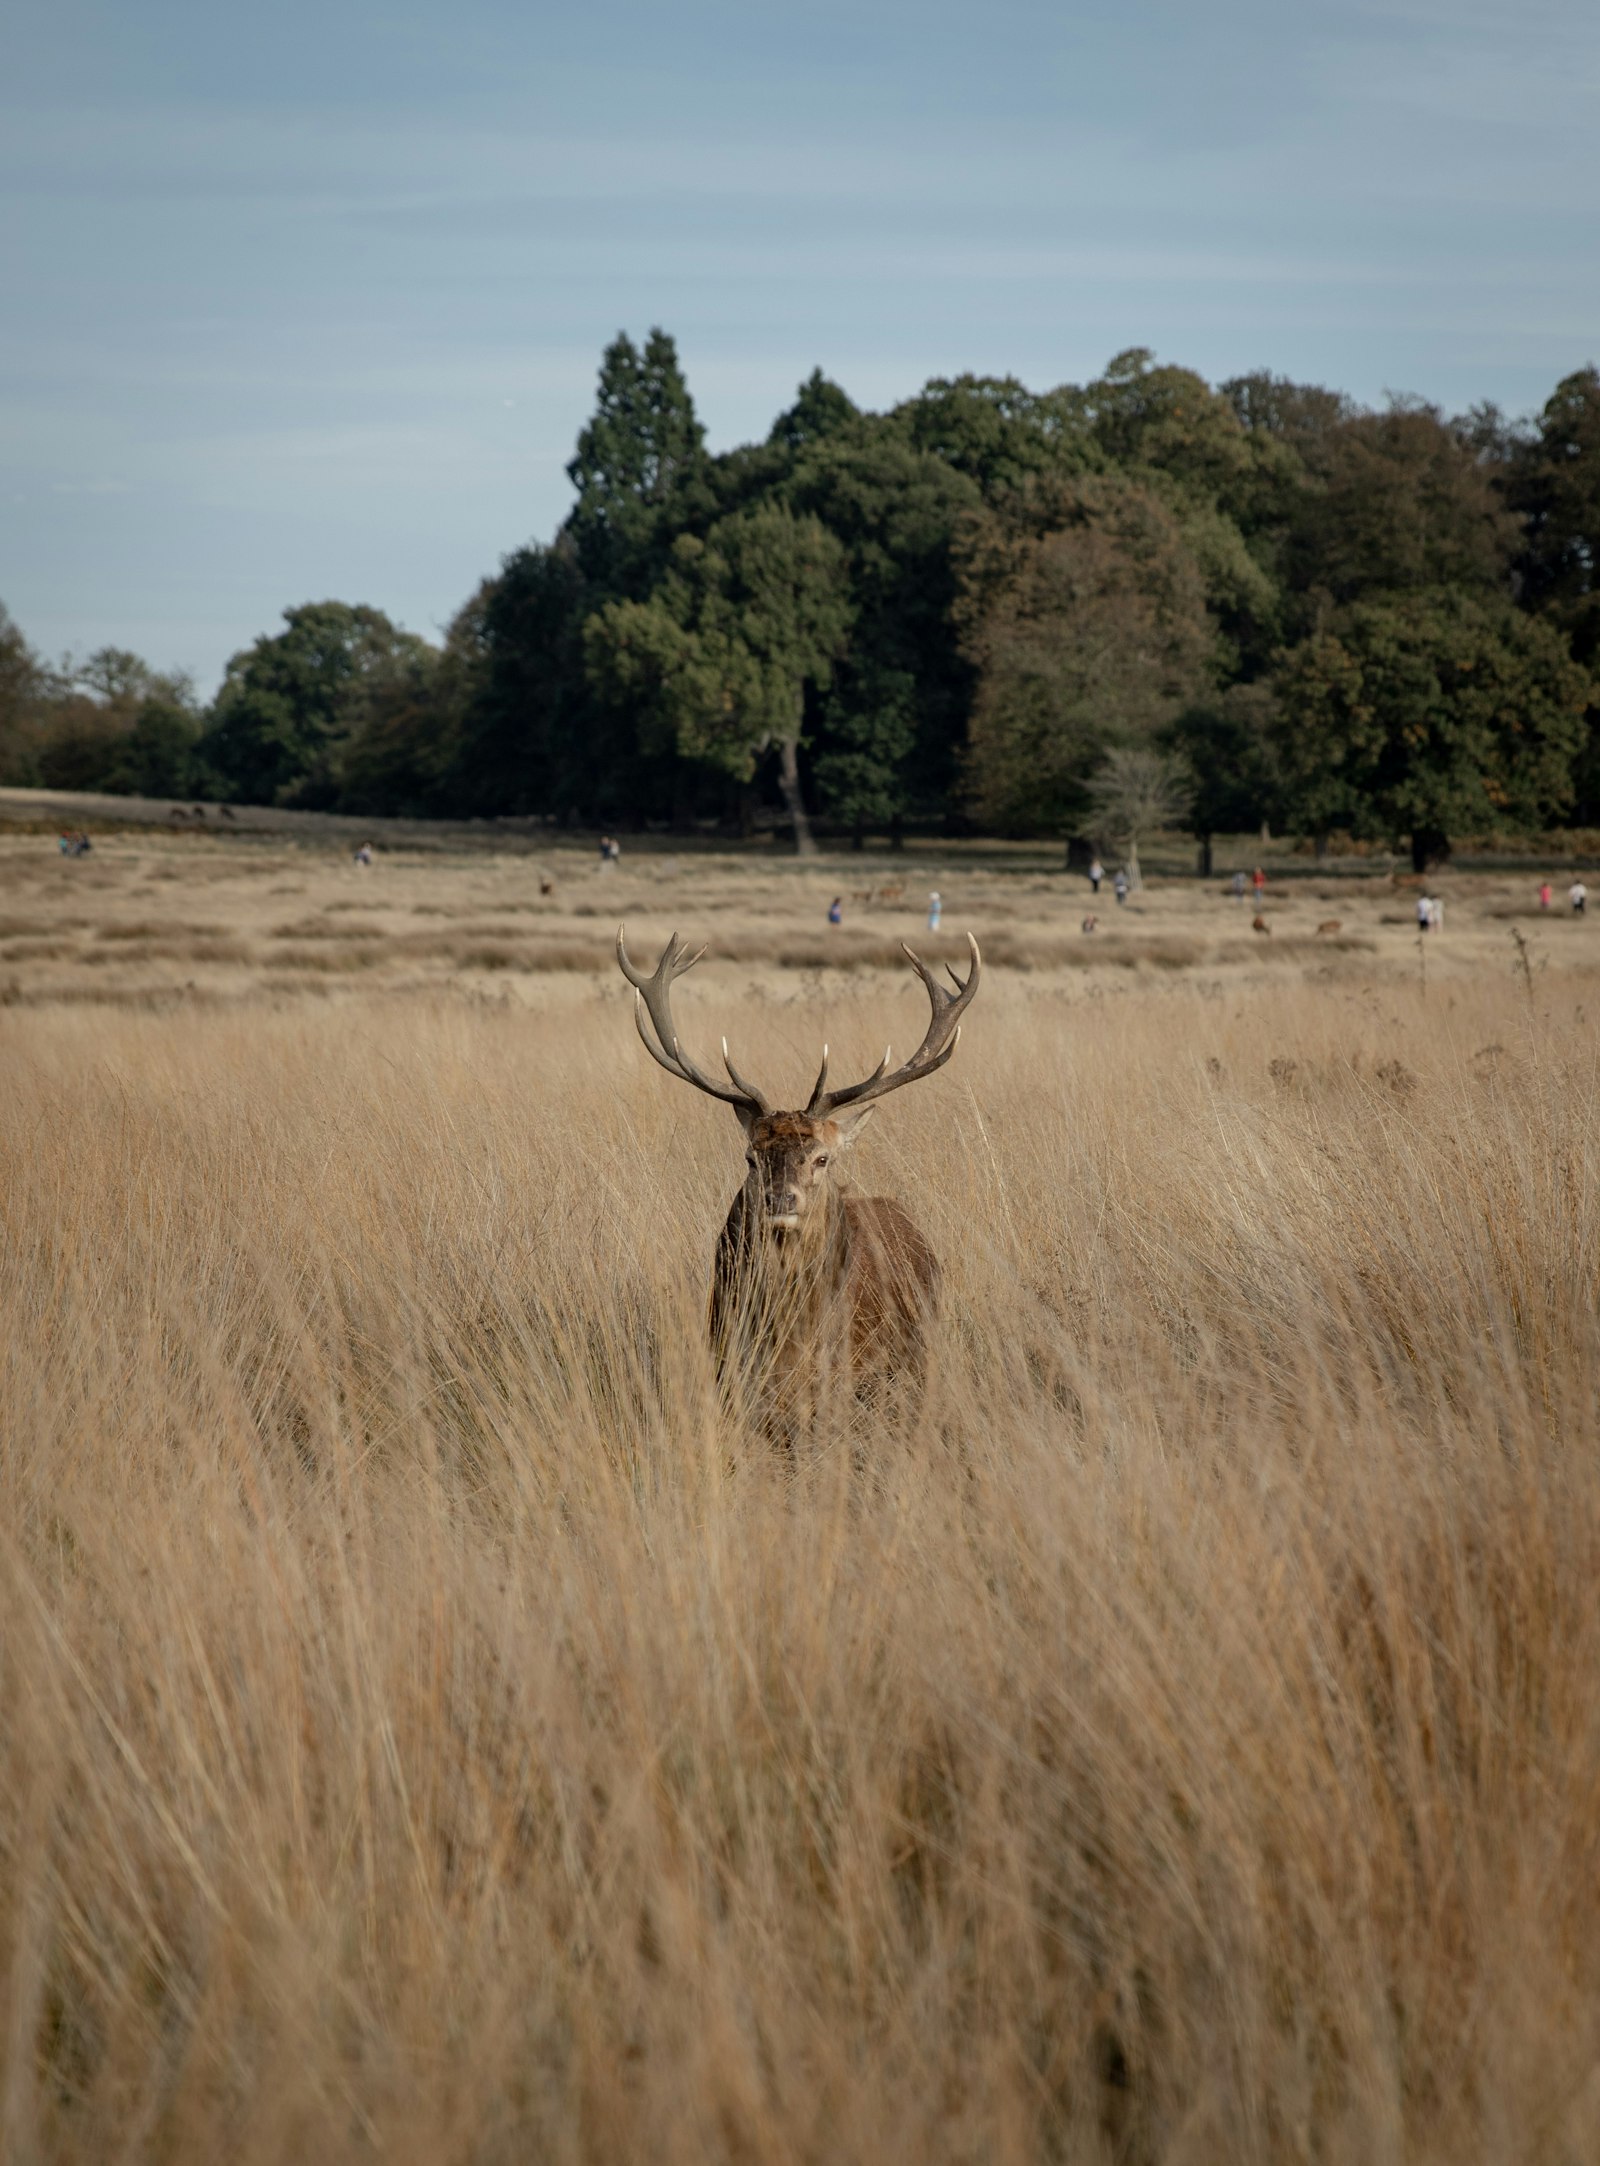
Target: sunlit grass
<point>433,1728</point>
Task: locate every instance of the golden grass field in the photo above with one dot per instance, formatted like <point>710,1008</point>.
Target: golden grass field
<point>433,1729</point>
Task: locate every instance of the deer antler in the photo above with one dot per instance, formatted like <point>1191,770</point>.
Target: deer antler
<point>654,998</point>
<point>944,1030</point>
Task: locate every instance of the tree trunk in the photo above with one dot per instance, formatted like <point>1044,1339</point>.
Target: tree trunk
<point>1430,846</point>
<point>747,810</point>
<point>1322,845</point>
<point>858,835</point>
<point>1205,857</point>
<point>897,831</point>
<point>1135,876</point>
<point>789,783</point>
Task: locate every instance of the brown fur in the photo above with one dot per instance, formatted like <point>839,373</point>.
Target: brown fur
<point>832,1308</point>
<point>1259,925</point>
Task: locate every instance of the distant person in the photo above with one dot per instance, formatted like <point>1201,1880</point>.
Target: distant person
<point>1119,886</point>
<point>363,856</point>
<point>613,848</point>
<point>1438,914</point>
<point>1544,896</point>
<point>836,911</point>
<point>935,911</point>
<point>1258,885</point>
<point>1424,914</point>
<point>1238,886</point>
<point>1578,896</point>
<point>1097,873</point>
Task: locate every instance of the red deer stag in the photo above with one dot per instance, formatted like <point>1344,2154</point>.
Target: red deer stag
<point>813,1285</point>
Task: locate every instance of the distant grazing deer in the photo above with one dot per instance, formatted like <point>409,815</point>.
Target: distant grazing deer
<point>1330,925</point>
<point>813,1286</point>
<point>1260,925</point>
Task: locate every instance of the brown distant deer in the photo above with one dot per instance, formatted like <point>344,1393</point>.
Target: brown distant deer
<point>814,1288</point>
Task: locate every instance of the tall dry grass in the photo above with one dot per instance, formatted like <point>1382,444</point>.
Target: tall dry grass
<point>431,1729</point>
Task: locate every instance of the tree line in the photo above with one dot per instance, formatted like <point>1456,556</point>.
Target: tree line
<point>1143,599</point>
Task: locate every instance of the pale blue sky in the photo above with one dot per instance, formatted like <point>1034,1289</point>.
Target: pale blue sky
<point>307,301</point>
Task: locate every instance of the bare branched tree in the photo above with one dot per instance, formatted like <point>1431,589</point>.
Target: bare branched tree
<point>1135,793</point>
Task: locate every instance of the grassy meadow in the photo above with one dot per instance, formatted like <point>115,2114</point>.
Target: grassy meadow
<point>433,1729</point>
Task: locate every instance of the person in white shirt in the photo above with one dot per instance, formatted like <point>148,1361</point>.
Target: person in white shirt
<point>1577,895</point>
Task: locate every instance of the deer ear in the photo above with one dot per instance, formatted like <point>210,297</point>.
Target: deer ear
<point>748,1116</point>
<point>850,1125</point>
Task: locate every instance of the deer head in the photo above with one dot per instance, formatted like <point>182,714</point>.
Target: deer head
<point>792,1156</point>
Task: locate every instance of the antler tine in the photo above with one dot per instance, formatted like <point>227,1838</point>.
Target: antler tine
<point>654,998</point>
<point>943,1034</point>
<point>819,1088</point>
<point>739,1082</point>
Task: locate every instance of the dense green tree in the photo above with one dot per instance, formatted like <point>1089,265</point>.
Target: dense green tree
<point>156,756</point>
<point>1554,483</point>
<point>821,410</point>
<point>997,432</point>
<point>1165,420</point>
<point>79,742</point>
<point>400,741</point>
<point>1428,716</point>
<point>122,681</point>
<point>959,606</point>
<point>1084,612</point>
<point>1228,746</point>
<point>1403,504</point>
<point>864,748</point>
<point>287,705</point>
<point>1305,417</point>
<point>528,739</point>
<point>888,735</point>
<point>109,723</point>
<point>640,466</point>
<point>1557,489</point>
<point>1226,486</point>
<point>721,658</point>
<point>22,686</point>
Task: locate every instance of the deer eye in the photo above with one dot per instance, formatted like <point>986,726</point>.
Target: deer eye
<point>819,1163</point>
